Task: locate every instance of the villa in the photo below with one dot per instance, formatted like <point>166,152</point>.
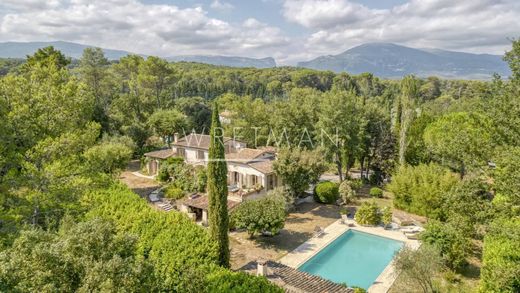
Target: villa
<point>250,171</point>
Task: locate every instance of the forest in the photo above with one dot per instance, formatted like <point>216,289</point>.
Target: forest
<point>448,150</point>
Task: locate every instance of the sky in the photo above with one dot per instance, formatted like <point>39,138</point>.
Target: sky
<point>287,30</point>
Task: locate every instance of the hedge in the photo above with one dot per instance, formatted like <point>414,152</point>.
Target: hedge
<point>182,252</point>
<point>326,192</point>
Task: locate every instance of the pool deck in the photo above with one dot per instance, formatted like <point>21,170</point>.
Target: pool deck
<point>312,246</point>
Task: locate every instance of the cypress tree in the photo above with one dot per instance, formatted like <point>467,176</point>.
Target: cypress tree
<point>217,189</point>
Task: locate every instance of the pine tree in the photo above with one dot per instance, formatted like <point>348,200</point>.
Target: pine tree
<point>217,189</point>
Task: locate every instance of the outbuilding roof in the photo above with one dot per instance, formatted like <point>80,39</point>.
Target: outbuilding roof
<point>293,280</point>
<point>160,154</point>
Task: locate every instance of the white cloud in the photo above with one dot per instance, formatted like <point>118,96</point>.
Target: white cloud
<point>331,26</point>
<point>163,30</point>
<point>220,5</point>
<point>467,25</point>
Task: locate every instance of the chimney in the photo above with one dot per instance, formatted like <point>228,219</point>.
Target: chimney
<point>175,137</point>
<point>261,268</point>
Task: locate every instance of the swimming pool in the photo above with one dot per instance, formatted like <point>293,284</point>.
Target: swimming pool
<point>355,258</point>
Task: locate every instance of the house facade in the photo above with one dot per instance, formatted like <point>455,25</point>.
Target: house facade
<point>194,148</point>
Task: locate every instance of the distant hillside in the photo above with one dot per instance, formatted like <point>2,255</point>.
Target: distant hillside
<point>227,61</point>
<point>74,50</point>
<point>395,61</point>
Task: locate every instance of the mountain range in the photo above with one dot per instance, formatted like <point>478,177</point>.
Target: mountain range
<point>75,50</point>
<point>389,60</point>
<point>384,60</point>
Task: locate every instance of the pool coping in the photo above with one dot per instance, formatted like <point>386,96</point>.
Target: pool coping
<point>311,247</point>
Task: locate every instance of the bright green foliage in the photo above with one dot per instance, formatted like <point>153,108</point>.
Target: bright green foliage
<point>47,57</point>
<point>183,176</point>
<point>368,214</point>
<point>386,215</point>
<point>85,257</point>
<point>293,120</point>
<point>183,255</point>
<point>167,122</point>
<point>298,169</point>
<point>326,192</point>
<point>339,127</point>
<point>217,190</point>
<point>501,259</point>
<point>171,241</point>
<point>153,78</point>
<point>173,192</point>
<point>109,157</point>
<point>452,244</point>
<point>201,177</point>
<point>376,192</point>
<point>262,215</point>
<point>406,112</point>
<point>346,192</point>
<point>468,207</point>
<point>513,58</point>
<point>507,179</point>
<point>422,189</point>
<point>419,267</point>
<point>93,71</point>
<point>460,140</point>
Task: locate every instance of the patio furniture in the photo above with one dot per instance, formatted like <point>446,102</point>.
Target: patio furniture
<point>412,229</point>
<point>233,188</point>
<point>347,221</point>
<point>318,231</point>
<point>412,236</point>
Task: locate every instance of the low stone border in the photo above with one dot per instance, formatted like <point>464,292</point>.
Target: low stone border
<point>307,250</point>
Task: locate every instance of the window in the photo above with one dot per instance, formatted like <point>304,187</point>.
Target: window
<point>200,155</point>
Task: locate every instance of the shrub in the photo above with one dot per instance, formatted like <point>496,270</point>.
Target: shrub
<point>346,192</point>
<point>422,189</point>
<point>368,214</point>
<point>356,184</point>
<point>386,216</point>
<point>173,192</point>
<point>326,192</point>
<point>202,179</point>
<point>501,257</point>
<point>453,245</point>
<point>376,192</point>
<point>262,215</point>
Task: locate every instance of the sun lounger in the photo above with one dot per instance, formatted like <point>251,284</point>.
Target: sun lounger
<point>412,236</point>
<point>412,230</point>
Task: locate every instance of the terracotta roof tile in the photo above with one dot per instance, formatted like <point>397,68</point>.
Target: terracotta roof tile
<point>200,201</point>
<point>265,167</point>
<point>293,280</point>
<point>160,154</point>
<point>245,155</point>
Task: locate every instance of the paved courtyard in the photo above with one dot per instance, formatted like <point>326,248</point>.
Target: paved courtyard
<point>140,185</point>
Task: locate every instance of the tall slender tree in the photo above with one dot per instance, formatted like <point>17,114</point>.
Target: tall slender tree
<point>409,92</point>
<point>217,189</point>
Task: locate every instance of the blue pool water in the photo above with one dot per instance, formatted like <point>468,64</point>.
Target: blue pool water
<point>354,258</point>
